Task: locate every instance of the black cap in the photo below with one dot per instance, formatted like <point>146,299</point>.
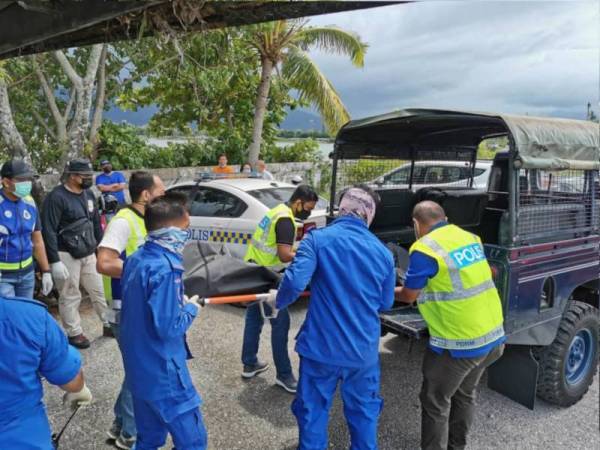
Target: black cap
<point>16,168</point>
<point>79,165</point>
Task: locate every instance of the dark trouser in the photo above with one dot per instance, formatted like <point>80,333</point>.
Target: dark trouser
<point>448,397</point>
<point>280,328</point>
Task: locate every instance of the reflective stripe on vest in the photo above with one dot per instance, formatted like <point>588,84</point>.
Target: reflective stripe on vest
<point>460,303</point>
<point>17,265</point>
<point>263,245</point>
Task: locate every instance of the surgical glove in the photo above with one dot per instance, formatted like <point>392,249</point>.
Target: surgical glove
<point>59,271</point>
<point>47,283</point>
<point>76,399</point>
<point>271,299</point>
<point>193,300</point>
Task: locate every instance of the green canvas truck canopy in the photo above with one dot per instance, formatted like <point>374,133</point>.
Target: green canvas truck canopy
<point>428,134</point>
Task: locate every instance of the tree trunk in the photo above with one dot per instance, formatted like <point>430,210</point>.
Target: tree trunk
<point>8,128</point>
<point>99,105</point>
<point>84,87</point>
<point>260,109</point>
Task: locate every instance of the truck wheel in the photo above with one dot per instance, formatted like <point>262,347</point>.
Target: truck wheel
<point>568,365</point>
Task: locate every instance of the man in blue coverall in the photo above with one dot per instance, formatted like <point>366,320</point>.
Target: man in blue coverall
<point>352,279</point>
<point>32,346</point>
<point>155,316</point>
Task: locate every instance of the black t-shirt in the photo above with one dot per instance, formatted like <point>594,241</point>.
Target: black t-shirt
<point>285,231</point>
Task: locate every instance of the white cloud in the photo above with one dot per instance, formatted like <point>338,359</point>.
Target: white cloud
<point>536,57</point>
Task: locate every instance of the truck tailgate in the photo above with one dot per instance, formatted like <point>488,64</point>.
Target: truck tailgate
<point>404,320</point>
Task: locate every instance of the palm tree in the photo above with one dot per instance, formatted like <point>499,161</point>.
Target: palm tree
<point>283,45</point>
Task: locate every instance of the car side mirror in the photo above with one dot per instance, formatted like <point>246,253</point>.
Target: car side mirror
<point>379,181</point>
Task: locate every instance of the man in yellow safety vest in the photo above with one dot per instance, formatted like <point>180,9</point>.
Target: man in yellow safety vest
<point>125,233</point>
<point>450,279</point>
<point>272,246</point>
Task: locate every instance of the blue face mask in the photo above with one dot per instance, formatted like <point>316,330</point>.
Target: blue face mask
<point>171,238</point>
<point>23,188</point>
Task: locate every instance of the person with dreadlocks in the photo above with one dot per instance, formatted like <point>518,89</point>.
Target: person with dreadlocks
<point>352,278</point>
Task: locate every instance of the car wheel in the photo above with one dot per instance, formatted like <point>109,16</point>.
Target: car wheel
<point>568,365</point>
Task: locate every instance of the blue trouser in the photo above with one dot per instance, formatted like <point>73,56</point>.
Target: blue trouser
<point>280,328</point>
<point>19,283</point>
<point>124,417</point>
<point>360,394</point>
<point>187,429</point>
<point>29,431</point>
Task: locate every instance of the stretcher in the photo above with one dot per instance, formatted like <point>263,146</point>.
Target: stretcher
<point>403,320</point>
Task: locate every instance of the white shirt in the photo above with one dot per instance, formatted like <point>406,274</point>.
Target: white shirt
<point>116,235</point>
<point>266,175</point>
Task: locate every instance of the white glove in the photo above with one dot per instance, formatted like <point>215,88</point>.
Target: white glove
<point>59,271</point>
<point>193,300</point>
<point>271,299</point>
<point>75,399</point>
<point>47,283</point>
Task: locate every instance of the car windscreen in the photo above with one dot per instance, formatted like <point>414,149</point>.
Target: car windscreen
<point>271,197</point>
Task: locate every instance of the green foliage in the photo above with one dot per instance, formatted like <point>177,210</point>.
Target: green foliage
<point>366,170</point>
<point>489,147</point>
<point>210,87</point>
<point>123,146</point>
<point>305,150</point>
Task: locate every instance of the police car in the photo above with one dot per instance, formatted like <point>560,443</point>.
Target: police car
<point>227,210</point>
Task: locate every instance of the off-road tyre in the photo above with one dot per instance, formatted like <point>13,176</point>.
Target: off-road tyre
<point>553,385</point>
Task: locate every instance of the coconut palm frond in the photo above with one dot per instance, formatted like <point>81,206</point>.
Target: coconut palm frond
<point>333,40</point>
<point>303,74</point>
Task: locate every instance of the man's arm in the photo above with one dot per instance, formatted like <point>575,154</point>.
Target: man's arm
<point>113,243</point>
<point>51,214</point>
<point>407,295</point>
<point>169,316</point>
<point>421,268</point>
<point>389,285</point>
<point>104,187</point>
<point>96,220</point>
<point>285,234</point>
<point>60,363</point>
<point>39,251</point>
<point>298,274</point>
<point>109,263</point>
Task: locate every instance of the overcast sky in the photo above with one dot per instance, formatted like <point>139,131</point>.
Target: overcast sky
<point>524,57</point>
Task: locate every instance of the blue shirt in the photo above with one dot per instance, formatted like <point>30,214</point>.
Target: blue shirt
<point>113,178</point>
<point>352,279</point>
<point>154,321</point>
<point>421,269</point>
<point>18,220</point>
<point>32,346</point>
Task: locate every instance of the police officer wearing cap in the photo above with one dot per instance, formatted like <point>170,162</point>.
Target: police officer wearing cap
<point>20,234</point>
<point>71,230</point>
<point>32,346</point>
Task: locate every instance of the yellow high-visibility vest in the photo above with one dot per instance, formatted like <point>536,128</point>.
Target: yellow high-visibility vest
<point>460,303</point>
<point>263,246</point>
<point>137,235</point>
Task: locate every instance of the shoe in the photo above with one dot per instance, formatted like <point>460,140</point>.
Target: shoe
<point>289,384</point>
<point>79,341</point>
<point>107,331</point>
<point>252,371</point>
<point>125,442</point>
<point>114,432</point>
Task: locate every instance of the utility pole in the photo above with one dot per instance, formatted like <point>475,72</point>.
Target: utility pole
<point>589,111</point>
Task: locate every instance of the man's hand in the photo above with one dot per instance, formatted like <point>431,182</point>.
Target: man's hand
<point>193,300</point>
<point>59,271</point>
<point>76,399</point>
<point>47,283</point>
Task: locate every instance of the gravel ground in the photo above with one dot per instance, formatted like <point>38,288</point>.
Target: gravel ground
<point>255,414</point>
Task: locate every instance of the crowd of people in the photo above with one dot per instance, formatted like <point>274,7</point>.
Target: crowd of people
<point>140,255</point>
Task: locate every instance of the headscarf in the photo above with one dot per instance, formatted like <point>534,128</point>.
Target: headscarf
<point>358,203</point>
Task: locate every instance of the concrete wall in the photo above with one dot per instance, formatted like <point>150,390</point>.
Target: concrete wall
<point>310,173</point>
